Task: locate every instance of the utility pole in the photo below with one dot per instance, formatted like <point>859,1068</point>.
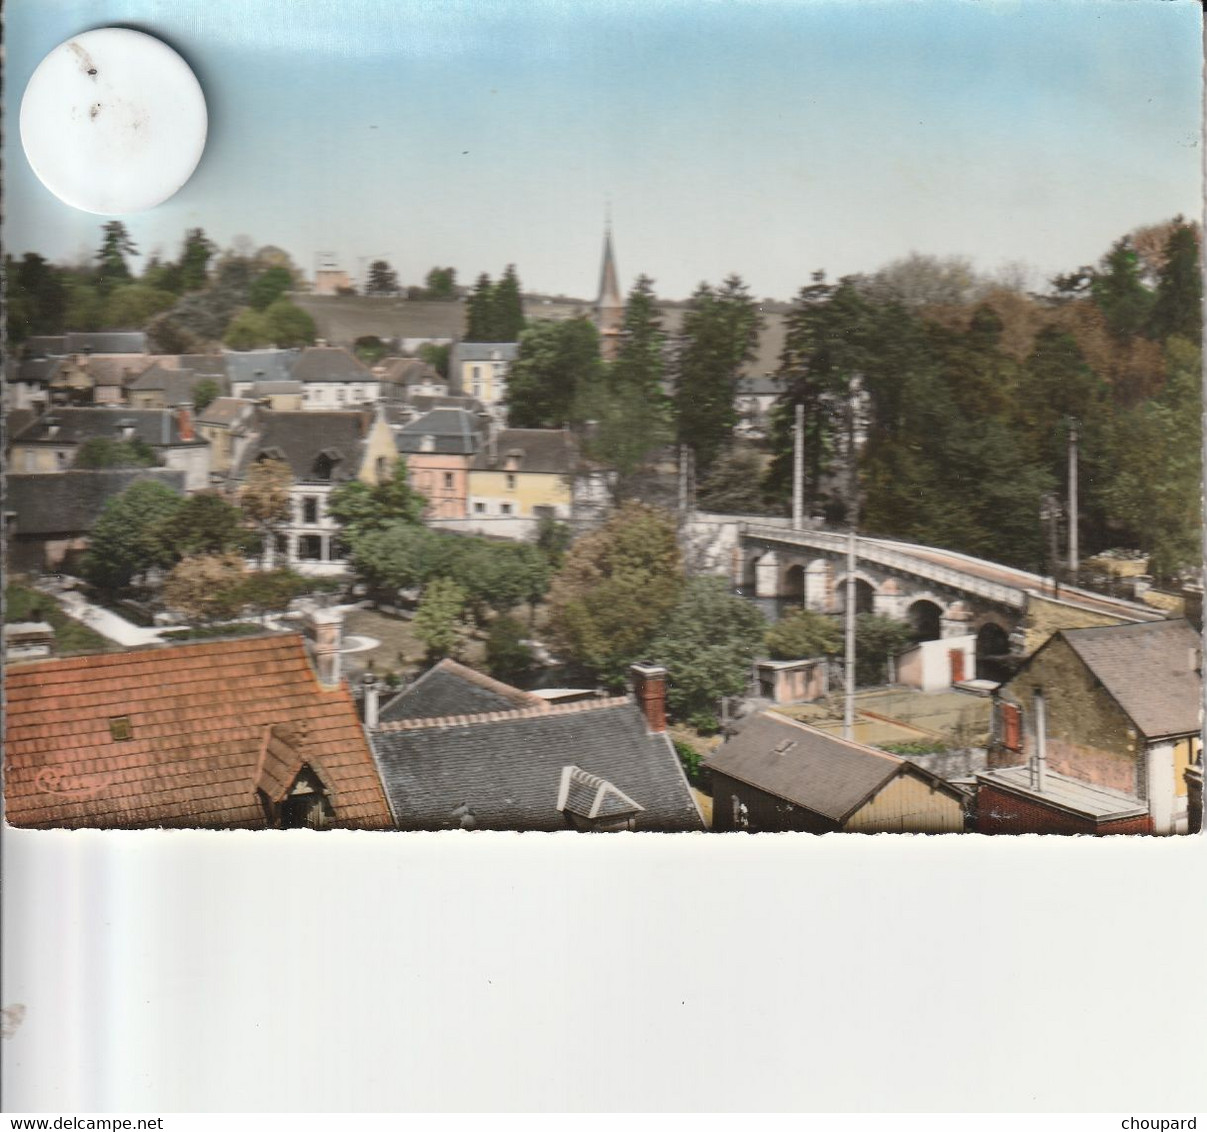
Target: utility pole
<point>682,483</point>
<point>1074,558</point>
<point>798,469</point>
<point>848,707</point>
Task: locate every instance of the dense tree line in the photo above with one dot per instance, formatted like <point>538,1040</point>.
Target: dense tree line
<point>966,404</point>
<point>190,304</point>
<point>495,310</point>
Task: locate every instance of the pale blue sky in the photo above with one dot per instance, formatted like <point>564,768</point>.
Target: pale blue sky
<point>768,137</point>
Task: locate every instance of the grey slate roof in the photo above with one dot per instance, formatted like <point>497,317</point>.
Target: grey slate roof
<point>453,431</point>
<point>44,346</point>
<point>426,402</point>
<point>507,768</point>
<point>1149,670</point>
<point>300,438</point>
<point>35,371</point>
<point>175,384</point>
<point>329,363</point>
<point>485,351</point>
<point>225,410</point>
<point>810,768</point>
<point>105,342</point>
<point>410,371</point>
<point>548,450</point>
<point>452,689</point>
<point>258,365</point>
<point>204,365</point>
<point>156,427</point>
<point>57,503</point>
<point>589,796</point>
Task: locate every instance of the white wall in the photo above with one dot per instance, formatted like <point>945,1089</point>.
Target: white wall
<point>927,666</point>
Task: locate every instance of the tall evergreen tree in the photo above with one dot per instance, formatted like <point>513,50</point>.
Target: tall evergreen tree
<point>116,244</point>
<point>1178,308</point>
<point>194,260</point>
<point>630,411</point>
<point>507,313</point>
<point>383,279</point>
<point>1118,289</point>
<point>480,311</point>
<point>37,297</point>
<point>718,337</point>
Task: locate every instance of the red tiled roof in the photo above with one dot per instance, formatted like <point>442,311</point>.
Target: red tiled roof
<point>208,723</point>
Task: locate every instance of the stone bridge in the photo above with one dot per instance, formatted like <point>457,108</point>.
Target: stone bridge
<point>939,592</point>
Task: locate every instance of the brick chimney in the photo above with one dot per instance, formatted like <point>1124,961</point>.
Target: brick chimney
<point>184,421</point>
<point>649,686</point>
<point>325,631</point>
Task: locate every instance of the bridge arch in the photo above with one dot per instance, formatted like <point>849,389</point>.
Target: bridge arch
<point>792,585</point>
<point>992,652</point>
<point>925,616</point>
<point>866,589</point>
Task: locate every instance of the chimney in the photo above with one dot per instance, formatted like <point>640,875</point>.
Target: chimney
<point>371,699</point>
<point>649,686</point>
<point>325,629</point>
<point>1039,761</point>
<point>184,421</point>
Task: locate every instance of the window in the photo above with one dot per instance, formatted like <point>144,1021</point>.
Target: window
<point>479,508</point>
<point>310,510</point>
<point>511,481</point>
<point>310,548</point>
<point>120,729</point>
<point>61,459</point>
<point>504,508</point>
<point>448,480</point>
<point>281,545</point>
<point>475,374</point>
<point>339,550</point>
<point>339,395</point>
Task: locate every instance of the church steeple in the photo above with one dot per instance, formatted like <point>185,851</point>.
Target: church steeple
<point>609,307</point>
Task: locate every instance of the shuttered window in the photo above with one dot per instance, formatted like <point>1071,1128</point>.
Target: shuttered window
<point>1011,730</point>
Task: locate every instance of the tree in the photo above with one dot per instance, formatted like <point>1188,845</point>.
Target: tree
<point>369,348</point>
<point>37,297</point>
<point>135,305</point>
<point>719,333</point>
<point>264,497</point>
<point>395,557</point>
<point>507,308</point>
<point>707,644</point>
<point>116,244</point>
<point>614,590</point>
<point>734,485</point>
<point>1153,492</point>
<point>630,411</point>
<point>1178,307</point>
<point>270,285</point>
<point>194,260</point>
<point>1118,290</point>
<point>441,283</point>
<point>876,639</point>
<point>248,331</point>
<point>508,657</point>
<point>206,525</point>
<point>557,362</point>
<point>271,591</point>
<point>440,619</point>
<point>125,541</point>
<point>436,356</point>
<point>289,326</point>
<point>105,452</point>
<point>803,634</point>
<point>360,508</point>
<point>205,392</point>
<point>480,311</point>
<point>85,304</point>
<point>553,539</point>
<point>206,587</point>
<point>166,336</point>
<point>383,279</point>
<point>498,575</point>
<point>919,281</point>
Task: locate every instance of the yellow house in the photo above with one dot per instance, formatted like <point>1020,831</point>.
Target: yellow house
<point>479,370</point>
<point>778,775</point>
<point>523,473</point>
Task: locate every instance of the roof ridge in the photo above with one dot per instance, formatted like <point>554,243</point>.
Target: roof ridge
<point>863,748</point>
<point>497,716</point>
<point>482,680</point>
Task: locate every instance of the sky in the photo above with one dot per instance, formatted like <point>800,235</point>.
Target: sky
<point>771,138</point>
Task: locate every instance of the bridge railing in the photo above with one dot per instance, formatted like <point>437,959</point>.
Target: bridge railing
<point>892,559</point>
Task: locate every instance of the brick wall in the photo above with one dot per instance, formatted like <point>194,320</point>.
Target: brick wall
<point>999,811</point>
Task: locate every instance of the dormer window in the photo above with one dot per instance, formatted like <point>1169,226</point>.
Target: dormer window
<point>427,444</point>
<point>324,464</point>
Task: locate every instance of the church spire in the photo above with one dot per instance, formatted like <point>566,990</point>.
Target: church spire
<point>609,307</point>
